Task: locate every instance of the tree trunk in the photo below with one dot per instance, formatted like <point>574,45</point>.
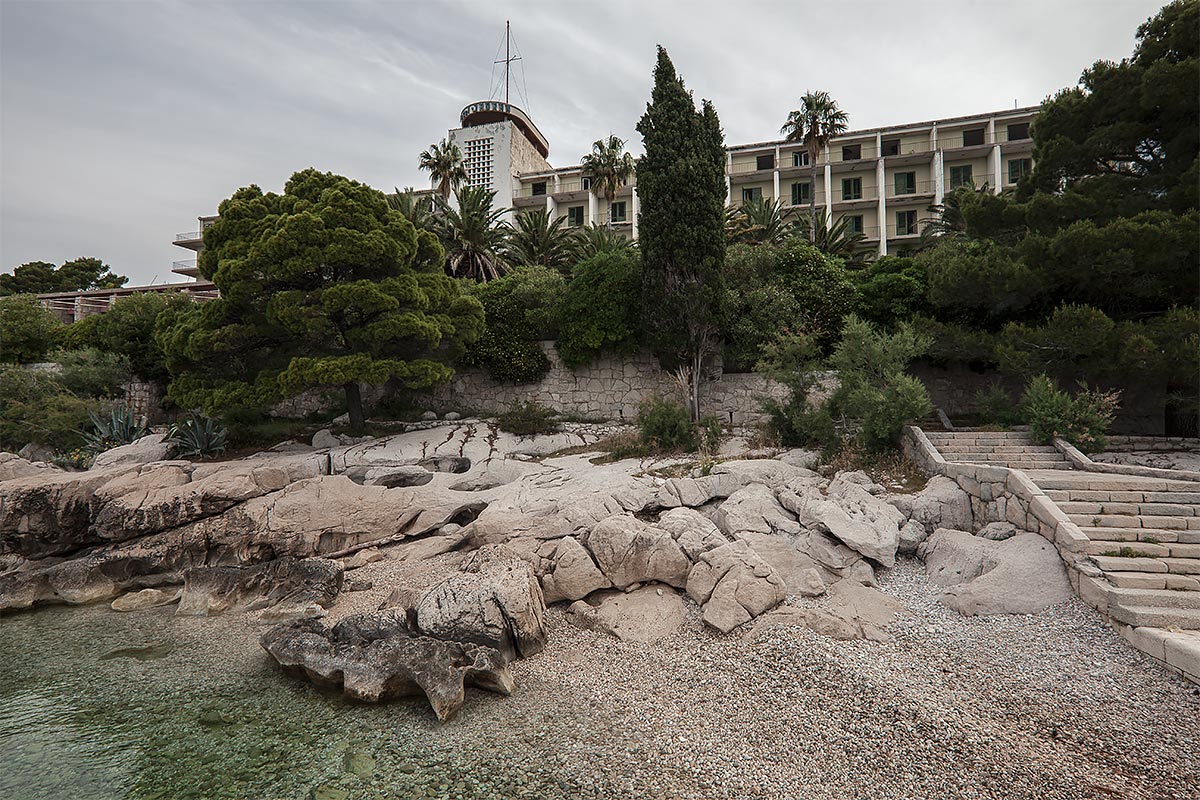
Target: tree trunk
<point>354,405</point>
<point>697,361</point>
<point>812,196</point>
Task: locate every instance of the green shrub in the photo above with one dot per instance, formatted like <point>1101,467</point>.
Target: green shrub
<point>873,385</point>
<point>1082,420</point>
<point>665,425</point>
<point>27,329</point>
<point>92,373</point>
<point>198,435</point>
<point>520,308</point>
<point>601,309</point>
<point>35,408</point>
<point>996,406</point>
<point>796,421</point>
<point>892,289</point>
<point>119,427</point>
<point>528,419</point>
<point>127,328</point>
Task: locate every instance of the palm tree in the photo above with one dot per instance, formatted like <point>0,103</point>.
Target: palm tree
<point>609,165</point>
<point>837,240</point>
<point>472,234</point>
<point>816,122</point>
<point>537,240</point>
<point>591,241</point>
<point>759,222</point>
<point>444,163</point>
<point>416,208</point>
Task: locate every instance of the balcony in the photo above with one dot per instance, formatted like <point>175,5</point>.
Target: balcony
<point>920,190</point>
<point>187,268</point>
<point>188,236</point>
<point>603,221</point>
<point>191,240</point>
<point>976,182</point>
<point>868,193</point>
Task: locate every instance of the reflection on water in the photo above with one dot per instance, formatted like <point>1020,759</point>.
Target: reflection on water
<point>97,705</point>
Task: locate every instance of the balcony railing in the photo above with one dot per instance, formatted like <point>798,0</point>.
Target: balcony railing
<point>976,182</point>
<point>189,236</point>
<point>867,193</point>
<point>527,191</point>
<point>919,188</point>
<point>818,198</point>
<point>187,264</point>
<point>603,220</point>
<point>567,186</point>
<point>748,166</point>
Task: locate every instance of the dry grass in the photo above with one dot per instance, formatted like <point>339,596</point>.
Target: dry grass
<point>894,470</point>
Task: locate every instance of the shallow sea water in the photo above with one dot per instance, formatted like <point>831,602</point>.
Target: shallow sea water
<point>96,705</point>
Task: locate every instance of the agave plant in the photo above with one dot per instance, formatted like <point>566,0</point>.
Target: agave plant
<point>197,435</point>
<point>121,426</point>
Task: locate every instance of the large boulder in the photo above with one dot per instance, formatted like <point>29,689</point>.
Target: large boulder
<point>377,656</point>
<point>13,466</point>
<point>754,509</point>
<point>1020,575</point>
<point>941,504</point>
<point>494,600</point>
<point>287,588</point>
<point>725,479</point>
<point>149,448</point>
<point>629,551</point>
<point>852,514</point>
<point>646,614</point>
<point>799,571</point>
<point>574,574</point>
<point>734,585</point>
<point>694,532</point>
<point>49,514</point>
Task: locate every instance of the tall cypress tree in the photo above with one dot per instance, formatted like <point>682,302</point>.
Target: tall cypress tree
<point>681,187</point>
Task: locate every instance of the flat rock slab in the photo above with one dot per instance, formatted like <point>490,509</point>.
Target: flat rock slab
<point>643,615</point>
<point>1020,575</point>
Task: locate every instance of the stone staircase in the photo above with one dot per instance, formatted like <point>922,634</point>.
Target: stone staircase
<point>1144,534</point>
<point>1013,449</point>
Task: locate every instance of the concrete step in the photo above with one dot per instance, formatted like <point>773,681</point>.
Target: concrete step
<point>1154,580</point>
<point>1156,616</point>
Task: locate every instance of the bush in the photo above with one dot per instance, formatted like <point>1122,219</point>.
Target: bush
<point>35,408</point>
<point>198,435</point>
<point>92,373</point>
<point>27,329</point>
<point>601,309</point>
<point>520,309</point>
<point>528,419</point>
<point>996,406</point>
<point>873,385</point>
<point>796,421</point>
<point>892,290</point>
<point>1082,420</point>
<point>127,328</point>
<point>665,425</point>
<point>119,427</point>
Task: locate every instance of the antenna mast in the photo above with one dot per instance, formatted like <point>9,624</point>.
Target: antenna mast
<point>508,57</point>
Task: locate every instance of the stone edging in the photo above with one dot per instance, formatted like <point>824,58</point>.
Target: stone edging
<point>1081,462</point>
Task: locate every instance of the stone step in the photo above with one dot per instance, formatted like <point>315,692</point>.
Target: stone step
<point>1163,598</point>
<point>1182,566</point>
<point>1132,521</point>
<point>1025,458</point>
<point>1122,564</point>
<point>1151,535</point>
<point>1128,509</point>
<point>970,447</point>
<point>1186,498</point>
<point>1154,580</point>
<point>1127,549</point>
<point>1102,482</point>
<point>1156,616</point>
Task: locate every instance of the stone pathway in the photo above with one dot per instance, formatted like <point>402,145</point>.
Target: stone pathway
<point>1012,449</point>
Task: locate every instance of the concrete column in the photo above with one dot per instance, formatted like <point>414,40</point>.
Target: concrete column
<point>828,189</point>
<point>776,175</point>
<point>937,168</point>
<point>882,191</point>
<point>728,178</point>
<point>75,312</point>
<point>633,210</point>
<point>591,207</point>
<point>994,157</point>
<point>551,208</point>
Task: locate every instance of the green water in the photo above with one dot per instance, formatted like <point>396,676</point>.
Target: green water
<point>97,705</point>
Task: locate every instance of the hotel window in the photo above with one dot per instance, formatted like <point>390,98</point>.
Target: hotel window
<point>477,158</point>
<point>765,162</point>
<point>961,176</point>
<point>538,189</point>
<point>751,194</point>
<point>906,183</point>
<point>854,223</point>
<point>575,216</point>
<point>586,184</point>
<point>617,212</point>
<point>1017,131</point>
<point>906,223</point>
<point>1018,168</point>
<point>972,137</point>
<point>851,152</point>
<point>801,193</point>
<point>891,147</point>
<point>852,188</point>
<point>800,158</point>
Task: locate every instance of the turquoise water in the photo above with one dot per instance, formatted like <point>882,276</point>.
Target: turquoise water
<point>97,705</point>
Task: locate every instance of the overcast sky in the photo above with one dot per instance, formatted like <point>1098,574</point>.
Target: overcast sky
<point>121,122</point>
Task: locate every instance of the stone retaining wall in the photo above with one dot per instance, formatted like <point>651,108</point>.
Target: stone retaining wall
<point>1126,444</point>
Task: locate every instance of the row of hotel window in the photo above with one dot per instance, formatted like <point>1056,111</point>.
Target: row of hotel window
<point>892,147</point>
<point>905,183</point>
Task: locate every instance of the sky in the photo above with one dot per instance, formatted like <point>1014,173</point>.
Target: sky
<point>122,122</point>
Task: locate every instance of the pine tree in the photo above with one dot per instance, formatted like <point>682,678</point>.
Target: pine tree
<point>681,186</point>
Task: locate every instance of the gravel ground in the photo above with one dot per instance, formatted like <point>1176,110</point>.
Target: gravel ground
<point>1047,706</point>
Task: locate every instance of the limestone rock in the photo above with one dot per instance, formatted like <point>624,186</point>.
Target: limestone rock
<point>429,416</point>
<point>753,508</point>
<point>629,551</point>
<point>13,466</point>
<point>694,532</point>
<point>325,439</point>
<point>912,533</point>
<point>575,575</point>
<point>146,598</point>
<point>855,611</point>
<point>998,531</point>
<point>452,416</point>
<point>734,585</point>
<point>804,459</point>
<point>286,585</point>
<point>1021,575</point>
<point>494,600</point>
<point>856,518</point>
<point>145,450</point>
<point>941,504</point>
<point>377,656</point>
<point>36,453</point>
<point>362,558</point>
<point>799,571</point>
<point>646,614</point>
